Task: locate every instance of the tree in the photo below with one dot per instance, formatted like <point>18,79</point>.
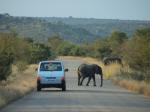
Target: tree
<point>137,51</point>
<point>29,40</point>
<point>78,51</point>
<point>65,48</point>
<point>55,41</point>
<point>7,42</point>
<point>116,40</point>
<point>40,52</point>
<point>101,48</point>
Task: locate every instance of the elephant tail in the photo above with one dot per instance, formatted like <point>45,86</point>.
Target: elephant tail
<point>78,72</point>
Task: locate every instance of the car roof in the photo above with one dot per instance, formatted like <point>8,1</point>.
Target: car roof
<point>51,61</point>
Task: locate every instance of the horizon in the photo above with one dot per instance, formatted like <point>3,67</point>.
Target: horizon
<point>74,17</point>
<point>96,9</point>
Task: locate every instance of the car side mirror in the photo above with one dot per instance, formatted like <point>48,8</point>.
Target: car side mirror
<point>66,70</point>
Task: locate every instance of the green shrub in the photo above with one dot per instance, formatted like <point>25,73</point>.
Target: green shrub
<point>5,66</point>
<point>137,52</point>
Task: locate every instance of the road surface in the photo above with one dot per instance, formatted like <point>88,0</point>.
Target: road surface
<point>109,98</point>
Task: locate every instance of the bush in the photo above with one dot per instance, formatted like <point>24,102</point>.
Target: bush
<point>21,65</point>
<point>41,52</point>
<point>65,48</point>
<point>78,51</point>
<point>137,52</point>
<point>131,75</point>
<point>5,66</point>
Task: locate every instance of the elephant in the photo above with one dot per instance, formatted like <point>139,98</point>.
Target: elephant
<point>89,70</point>
<point>109,60</point>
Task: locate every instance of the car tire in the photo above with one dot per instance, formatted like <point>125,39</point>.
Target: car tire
<point>63,85</point>
<point>39,87</point>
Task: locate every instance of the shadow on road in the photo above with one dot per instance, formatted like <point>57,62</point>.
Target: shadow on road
<point>50,90</point>
<point>99,91</point>
<point>91,91</point>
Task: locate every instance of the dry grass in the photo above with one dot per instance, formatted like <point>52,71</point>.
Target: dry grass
<point>18,85</point>
<point>69,57</point>
<point>137,86</point>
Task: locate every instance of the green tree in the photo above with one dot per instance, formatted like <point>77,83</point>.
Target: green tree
<point>115,41</point>
<point>137,51</point>
<point>55,41</point>
<point>65,48</point>
<point>7,42</point>
<point>78,51</point>
<point>101,48</point>
<point>41,52</point>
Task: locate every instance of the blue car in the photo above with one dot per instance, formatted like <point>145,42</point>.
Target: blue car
<point>51,74</point>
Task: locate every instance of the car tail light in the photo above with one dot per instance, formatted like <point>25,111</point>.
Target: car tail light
<point>38,78</point>
<point>62,78</point>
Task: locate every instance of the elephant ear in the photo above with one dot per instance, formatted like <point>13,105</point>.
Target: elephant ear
<point>97,69</point>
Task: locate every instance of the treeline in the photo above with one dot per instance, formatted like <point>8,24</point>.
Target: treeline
<point>133,51</point>
<point>21,52</point>
<point>100,48</point>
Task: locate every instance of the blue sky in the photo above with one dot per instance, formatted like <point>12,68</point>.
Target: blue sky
<point>105,9</point>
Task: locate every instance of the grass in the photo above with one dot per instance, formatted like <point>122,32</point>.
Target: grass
<point>133,85</point>
<point>111,71</point>
<point>18,84</point>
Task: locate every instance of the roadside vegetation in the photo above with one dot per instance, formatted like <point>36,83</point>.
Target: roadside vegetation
<point>19,53</point>
<point>17,70</point>
<point>134,53</point>
<point>17,85</point>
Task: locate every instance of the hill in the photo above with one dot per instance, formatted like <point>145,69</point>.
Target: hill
<point>102,27</point>
<point>77,30</point>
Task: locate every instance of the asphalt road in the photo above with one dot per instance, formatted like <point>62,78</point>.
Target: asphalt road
<point>109,98</point>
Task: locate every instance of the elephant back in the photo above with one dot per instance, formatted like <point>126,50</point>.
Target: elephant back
<point>86,69</point>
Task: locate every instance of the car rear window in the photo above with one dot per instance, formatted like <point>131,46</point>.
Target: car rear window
<point>50,66</point>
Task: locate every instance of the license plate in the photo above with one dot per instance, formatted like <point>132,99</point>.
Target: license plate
<point>51,78</point>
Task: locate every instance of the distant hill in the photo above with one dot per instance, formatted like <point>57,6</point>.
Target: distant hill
<point>77,30</point>
<point>102,27</point>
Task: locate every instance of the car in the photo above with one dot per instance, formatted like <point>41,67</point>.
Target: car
<point>51,74</point>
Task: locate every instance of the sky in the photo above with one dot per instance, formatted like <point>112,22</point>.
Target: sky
<point>103,9</point>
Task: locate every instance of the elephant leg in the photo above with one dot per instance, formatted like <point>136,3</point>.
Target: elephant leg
<point>82,80</point>
<point>94,82</point>
<point>88,81</point>
<point>79,77</point>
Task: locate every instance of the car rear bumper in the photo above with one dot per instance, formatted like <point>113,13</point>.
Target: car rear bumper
<point>51,85</point>
<point>59,85</point>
